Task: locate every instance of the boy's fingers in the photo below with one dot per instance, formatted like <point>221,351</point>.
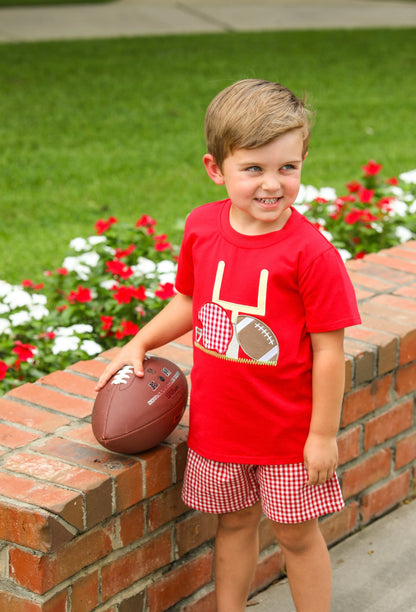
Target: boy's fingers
<point>114,367</point>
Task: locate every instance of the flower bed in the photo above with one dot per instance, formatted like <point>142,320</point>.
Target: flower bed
<point>111,283</point>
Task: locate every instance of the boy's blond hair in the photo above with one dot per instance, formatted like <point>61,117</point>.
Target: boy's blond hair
<point>252,113</point>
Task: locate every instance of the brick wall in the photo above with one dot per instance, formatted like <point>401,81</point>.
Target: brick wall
<point>84,529</point>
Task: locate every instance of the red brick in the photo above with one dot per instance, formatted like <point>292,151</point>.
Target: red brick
<point>158,470</point>
<point>136,603</point>
<point>205,603</point>
<point>405,450</point>
<point>95,487</point>
<point>396,302</point>
<point>35,418</point>
<point>84,593</point>
<point>408,348</point>
<point>349,445</point>
<point>13,437</point>
<point>165,507</point>
<point>384,498</point>
<point>364,356</point>
<point>36,529</point>
<point>49,398</point>
<point>125,470</point>
<point>70,383</point>
<point>81,432</point>
<point>365,400</point>
<point>141,561</point>
<point>67,504</point>
<point>40,573</point>
<point>179,583</point>
<point>372,283</point>
<point>89,367</point>
<point>194,530</point>
<point>406,380</point>
<point>366,473</point>
<point>269,568</point>
<point>13,603</point>
<point>385,344</point>
<point>386,273</point>
<point>389,424</point>
<point>132,524</point>
<point>348,374</point>
<point>375,309</point>
<point>384,258</point>
<point>340,524</point>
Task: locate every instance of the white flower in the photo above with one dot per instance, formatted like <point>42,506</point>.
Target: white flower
<point>79,328</point>
<point>408,177</point>
<point>79,244</point>
<point>108,284</point>
<point>301,208</point>
<point>93,240</point>
<point>73,264</point>
<point>91,347</point>
<point>344,254</point>
<point>403,234</point>
<point>63,344</point>
<point>17,298</point>
<point>4,288</point>
<point>166,271</point>
<point>144,266</point>
<point>4,309</point>
<point>38,312</point>
<point>5,326</point>
<point>19,318</point>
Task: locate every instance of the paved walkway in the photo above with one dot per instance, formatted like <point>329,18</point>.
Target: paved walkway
<point>373,570</point>
<point>156,17</point>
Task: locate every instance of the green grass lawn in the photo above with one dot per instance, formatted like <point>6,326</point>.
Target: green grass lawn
<point>91,129</point>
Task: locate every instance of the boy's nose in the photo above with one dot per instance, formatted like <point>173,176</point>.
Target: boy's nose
<point>270,182</point>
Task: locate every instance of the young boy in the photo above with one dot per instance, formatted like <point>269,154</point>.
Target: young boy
<point>268,298</point>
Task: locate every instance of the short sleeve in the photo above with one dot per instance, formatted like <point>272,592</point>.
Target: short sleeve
<point>328,294</point>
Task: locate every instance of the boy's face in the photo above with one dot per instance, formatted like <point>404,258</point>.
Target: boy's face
<point>261,183</point>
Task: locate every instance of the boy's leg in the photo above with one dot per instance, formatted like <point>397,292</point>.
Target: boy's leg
<point>236,554</point>
<point>307,563</point>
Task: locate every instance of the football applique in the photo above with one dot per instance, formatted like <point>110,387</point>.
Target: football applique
<point>133,414</point>
<point>217,329</point>
<point>257,339</point>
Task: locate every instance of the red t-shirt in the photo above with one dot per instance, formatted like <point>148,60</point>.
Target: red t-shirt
<point>256,299</point>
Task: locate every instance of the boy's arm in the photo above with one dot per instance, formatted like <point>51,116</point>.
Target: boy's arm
<point>328,380</point>
<point>170,323</point>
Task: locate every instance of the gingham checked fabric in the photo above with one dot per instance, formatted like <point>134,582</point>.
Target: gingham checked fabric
<point>212,486</point>
<point>217,329</point>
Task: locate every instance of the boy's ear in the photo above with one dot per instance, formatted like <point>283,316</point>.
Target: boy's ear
<point>213,169</point>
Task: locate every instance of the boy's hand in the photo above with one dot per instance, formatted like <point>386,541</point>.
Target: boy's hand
<point>320,457</point>
<point>129,355</point>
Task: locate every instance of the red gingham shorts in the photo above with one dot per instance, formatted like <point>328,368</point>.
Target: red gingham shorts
<point>212,486</point>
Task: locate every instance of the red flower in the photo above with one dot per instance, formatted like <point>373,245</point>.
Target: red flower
<point>161,243</point>
<point>384,204</point>
<point>31,285</point>
<point>145,221</point>
<point>124,253</point>
<point>23,351</point>
<point>107,322</point>
<point>124,295</point>
<point>62,271</point>
<point>127,328</point>
<point>48,335</point>
<point>81,295</point>
<point>356,215</point>
<point>372,168</point>
<point>3,370</point>
<point>61,308</point>
<point>392,181</point>
<point>103,225</point>
<point>353,186</point>
<point>119,268</point>
<point>365,195</point>
<point>165,291</point>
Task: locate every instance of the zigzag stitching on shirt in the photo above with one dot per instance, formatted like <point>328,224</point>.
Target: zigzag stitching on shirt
<point>238,360</point>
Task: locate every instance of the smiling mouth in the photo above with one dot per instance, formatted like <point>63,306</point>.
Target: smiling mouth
<point>268,201</point>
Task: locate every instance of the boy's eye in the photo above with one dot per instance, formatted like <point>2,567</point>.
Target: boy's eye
<point>288,167</point>
<point>253,169</point>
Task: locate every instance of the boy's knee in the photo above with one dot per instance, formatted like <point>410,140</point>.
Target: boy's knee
<point>296,537</point>
<point>241,519</point>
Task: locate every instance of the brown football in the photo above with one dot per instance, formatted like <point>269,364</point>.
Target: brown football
<point>133,414</point>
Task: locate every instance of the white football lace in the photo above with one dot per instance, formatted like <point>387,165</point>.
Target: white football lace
<point>122,376</point>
